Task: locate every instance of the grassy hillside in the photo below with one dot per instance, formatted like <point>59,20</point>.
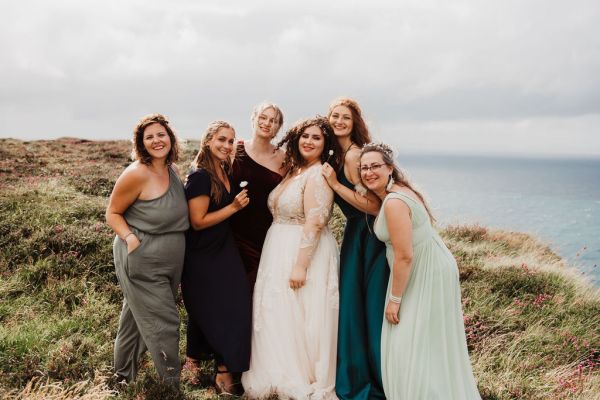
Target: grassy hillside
<point>533,327</point>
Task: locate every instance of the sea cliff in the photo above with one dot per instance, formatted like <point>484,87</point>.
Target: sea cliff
<point>532,322</point>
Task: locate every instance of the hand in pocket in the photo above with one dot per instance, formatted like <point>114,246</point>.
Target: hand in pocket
<point>132,243</point>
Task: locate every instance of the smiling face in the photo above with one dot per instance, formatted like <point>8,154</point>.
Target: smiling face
<point>221,144</point>
<point>267,123</point>
<point>374,173</point>
<point>340,120</point>
<point>157,141</point>
<point>311,144</point>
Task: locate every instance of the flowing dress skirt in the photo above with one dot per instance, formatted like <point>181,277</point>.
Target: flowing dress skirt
<point>294,334</point>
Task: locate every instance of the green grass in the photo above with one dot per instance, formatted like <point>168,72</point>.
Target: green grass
<point>532,323</point>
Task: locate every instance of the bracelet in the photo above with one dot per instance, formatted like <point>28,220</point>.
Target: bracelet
<point>126,236</point>
<point>395,299</point>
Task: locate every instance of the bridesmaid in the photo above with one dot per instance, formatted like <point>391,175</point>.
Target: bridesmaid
<point>258,163</point>
<point>148,212</point>
<point>423,344</point>
<point>214,285</point>
<point>363,267</point>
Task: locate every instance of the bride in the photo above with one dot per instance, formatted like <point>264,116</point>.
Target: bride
<point>295,310</point>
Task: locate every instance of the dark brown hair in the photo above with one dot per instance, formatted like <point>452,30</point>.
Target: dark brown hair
<point>205,160</point>
<point>293,158</point>
<point>360,133</point>
<point>139,152</point>
<point>387,155</point>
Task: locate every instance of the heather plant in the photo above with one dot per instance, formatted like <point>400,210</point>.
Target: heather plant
<point>531,322</point>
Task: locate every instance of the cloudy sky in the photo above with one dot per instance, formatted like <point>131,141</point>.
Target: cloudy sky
<point>469,76</point>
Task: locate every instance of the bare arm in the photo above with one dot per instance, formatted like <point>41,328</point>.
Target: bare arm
<point>200,218</point>
<point>368,203</point>
<point>318,201</point>
<point>398,218</point>
<point>126,191</point>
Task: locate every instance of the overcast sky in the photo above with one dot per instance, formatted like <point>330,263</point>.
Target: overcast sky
<point>470,76</point>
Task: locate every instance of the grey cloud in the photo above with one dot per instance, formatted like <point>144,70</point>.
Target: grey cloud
<point>99,66</point>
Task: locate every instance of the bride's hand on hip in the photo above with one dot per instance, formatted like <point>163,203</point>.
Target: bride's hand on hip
<point>392,313</point>
<point>298,277</point>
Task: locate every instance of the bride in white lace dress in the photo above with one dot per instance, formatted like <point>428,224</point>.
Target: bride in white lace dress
<point>295,308</point>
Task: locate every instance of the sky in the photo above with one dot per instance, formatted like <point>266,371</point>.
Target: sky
<point>463,76</point>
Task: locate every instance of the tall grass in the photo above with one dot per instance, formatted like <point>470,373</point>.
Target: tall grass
<point>532,323</point>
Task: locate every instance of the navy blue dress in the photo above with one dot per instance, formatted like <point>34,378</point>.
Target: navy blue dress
<point>215,289</point>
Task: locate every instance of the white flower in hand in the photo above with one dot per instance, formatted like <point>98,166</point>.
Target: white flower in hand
<point>330,154</point>
<point>243,184</point>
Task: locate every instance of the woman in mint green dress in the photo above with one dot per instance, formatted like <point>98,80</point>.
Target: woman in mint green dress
<point>363,266</point>
<point>423,345</point>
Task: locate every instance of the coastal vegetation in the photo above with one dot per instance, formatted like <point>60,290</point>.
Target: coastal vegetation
<point>532,323</point>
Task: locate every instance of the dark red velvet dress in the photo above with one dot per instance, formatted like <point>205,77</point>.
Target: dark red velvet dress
<point>250,225</point>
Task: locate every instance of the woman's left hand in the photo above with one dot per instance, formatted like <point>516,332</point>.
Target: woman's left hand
<point>298,277</point>
<point>329,174</point>
<point>392,313</point>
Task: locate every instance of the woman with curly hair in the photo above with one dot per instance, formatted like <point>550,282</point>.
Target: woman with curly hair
<point>214,285</point>
<point>148,212</point>
<point>295,303</point>
<point>363,268</point>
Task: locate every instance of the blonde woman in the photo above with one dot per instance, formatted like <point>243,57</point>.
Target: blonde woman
<point>214,285</point>
<point>258,163</point>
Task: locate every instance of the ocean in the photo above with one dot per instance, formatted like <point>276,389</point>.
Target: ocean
<point>557,200</point>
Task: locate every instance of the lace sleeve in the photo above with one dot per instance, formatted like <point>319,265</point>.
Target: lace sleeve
<point>318,203</point>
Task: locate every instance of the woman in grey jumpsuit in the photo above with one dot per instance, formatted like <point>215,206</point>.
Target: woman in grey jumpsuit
<point>148,212</point>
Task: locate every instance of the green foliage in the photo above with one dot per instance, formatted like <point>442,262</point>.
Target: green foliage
<point>532,329</point>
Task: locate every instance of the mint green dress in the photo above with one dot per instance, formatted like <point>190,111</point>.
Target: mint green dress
<point>363,279</point>
<point>425,356</point>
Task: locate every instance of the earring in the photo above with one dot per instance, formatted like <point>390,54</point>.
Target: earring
<point>390,184</point>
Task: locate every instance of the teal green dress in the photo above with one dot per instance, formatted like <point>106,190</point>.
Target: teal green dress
<point>364,275</point>
<point>425,356</point>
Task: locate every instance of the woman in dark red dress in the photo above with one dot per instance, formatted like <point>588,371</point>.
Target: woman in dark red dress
<point>258,163</point>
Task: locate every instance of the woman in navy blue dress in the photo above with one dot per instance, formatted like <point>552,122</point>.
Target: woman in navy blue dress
<point>215,289</point>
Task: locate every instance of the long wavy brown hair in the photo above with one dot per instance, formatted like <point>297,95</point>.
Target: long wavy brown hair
<point>387,154</point>
<point>293,158</point>
<point>205,160</point>
<point>139,152</point>
<point>360,133</point>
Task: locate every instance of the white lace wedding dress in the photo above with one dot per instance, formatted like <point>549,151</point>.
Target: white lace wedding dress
<point>294,336</point>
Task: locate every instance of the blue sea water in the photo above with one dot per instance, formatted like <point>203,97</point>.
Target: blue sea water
<point>556,200</point>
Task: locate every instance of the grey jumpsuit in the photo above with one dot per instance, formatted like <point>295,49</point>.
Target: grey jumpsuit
<point>149,277</point>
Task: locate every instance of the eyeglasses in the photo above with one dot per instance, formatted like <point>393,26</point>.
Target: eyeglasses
<point>373,168</point>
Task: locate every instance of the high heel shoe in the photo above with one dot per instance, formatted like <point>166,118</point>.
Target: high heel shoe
<point>221,387</point>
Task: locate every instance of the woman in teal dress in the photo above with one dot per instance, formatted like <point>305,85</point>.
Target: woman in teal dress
<point>423,344</point>
<point>363,267</point>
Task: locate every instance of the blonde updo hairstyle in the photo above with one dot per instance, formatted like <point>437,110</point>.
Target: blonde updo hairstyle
<point>259,108</point>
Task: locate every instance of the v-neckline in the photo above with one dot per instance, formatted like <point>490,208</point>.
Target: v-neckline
<point>284,186</point>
